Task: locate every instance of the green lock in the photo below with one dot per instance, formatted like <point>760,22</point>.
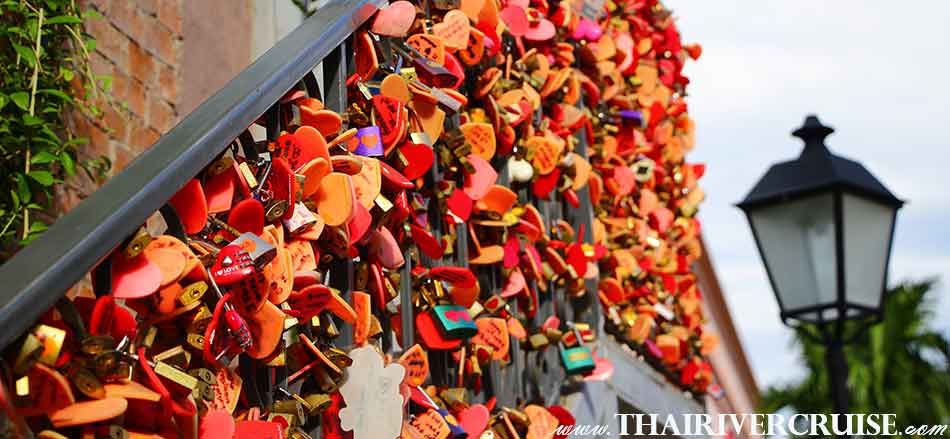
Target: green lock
<point>455,321</point>
<point>579,359</point>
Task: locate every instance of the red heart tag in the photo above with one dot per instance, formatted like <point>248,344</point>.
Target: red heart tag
<point>474,420</point>
<point>577,259</point>
<point>134,278</point>
<point>457,276</point>
<point>219,191</point>
<point>431,335</point>
<point>564,418</point>
<point>250,293</point>
<point>391,118</point>
<point>516,19</point>
<point>460,204</point>
<point>216,424</point>
<point>283,184</point>
<point>232,265</point>
<point>360,223</point>
<point>426,242</point>
<point>392,179</point>
<point>454,67</point>
<point>512,249</point>
<point>544,184</point>
<point>258,430</point>
<point>247,216</point>
<point>516,284</point>
<point>419,158</point>
<point>191,206</point>
<point>309,301</point>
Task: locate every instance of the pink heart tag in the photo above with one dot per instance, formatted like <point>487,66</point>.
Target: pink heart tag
<point>478,183</point>
<point>474,420</point>
<point>543,30</point>
<point>587,30</point>
<point>385,248</point>
<point>515,285</point>
<point>395,20</point>
<point>516,19</point>
<point>603,370</point>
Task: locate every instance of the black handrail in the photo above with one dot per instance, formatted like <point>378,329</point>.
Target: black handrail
<point>38,275</point>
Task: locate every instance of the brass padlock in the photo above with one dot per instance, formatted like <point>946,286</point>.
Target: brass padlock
<point>192,293</point>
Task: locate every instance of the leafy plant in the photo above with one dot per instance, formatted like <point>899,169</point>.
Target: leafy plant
<point>45,76</point>
<point>899,366</point>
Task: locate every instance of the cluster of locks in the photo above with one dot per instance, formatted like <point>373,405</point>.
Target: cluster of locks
<point>306,282</point>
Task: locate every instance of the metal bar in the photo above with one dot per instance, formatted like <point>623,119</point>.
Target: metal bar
<point>43,271</point>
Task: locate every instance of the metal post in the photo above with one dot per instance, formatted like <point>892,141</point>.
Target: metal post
<point>838,373</point>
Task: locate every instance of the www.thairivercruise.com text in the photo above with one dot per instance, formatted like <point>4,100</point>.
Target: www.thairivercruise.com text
<point>801,424</point>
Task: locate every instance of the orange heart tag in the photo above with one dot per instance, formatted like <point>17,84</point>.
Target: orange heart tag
<point>482,138</point>
<point>493,332</point>
<point>416,362</point>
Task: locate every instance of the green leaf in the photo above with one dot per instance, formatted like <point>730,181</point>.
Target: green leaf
<point>36,227</point>
<point>64,19</point>
<point>16,200</point>
<point>21,99</point>
<point>23,189</point>
<point>44,178</point>
<point>43,157</point>
<point>3,100</point>
<point>69,165</point>
<point>31,120</point>
<point>56,93</point>
<point>25,53</point>
<point>92,14</point>
<point>67,74</point>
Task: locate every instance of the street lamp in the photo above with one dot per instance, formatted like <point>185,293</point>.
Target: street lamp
<point>824,226</point>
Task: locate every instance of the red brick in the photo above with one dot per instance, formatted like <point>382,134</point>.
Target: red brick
<point>120,85</point>
<point>141,64</point>
<point>101,5</point>
<point>143,137</point>
<point>168,82</point>
<point>129,19</point>
<point>116,122</point>
<point>161,42</point>
<point>149,7</point>
<point>123,156</point>
<point>136,99</point>
<point>109,41</point>
<point>161,116</point>
<point>169,13</point>
<point>100,64</point>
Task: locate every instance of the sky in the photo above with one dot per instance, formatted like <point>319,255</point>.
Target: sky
<point>875,71</point>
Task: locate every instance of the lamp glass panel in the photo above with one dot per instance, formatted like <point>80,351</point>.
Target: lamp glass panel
<point>867,236</point>
<point>797,239</point>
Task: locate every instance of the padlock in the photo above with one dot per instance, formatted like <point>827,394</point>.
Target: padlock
<point>260,251</point>
<point>579,359</point>
<point>454,321</point>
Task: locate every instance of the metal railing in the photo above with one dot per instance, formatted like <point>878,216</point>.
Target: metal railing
<point>40,274</point>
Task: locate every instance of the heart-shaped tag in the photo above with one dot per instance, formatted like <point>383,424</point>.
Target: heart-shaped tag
<point>453,30</point>
<point>512,248</point>
<point>454,67</point>
<point>368,182</point>
<point>390,118</point>
<point>482,138</point>
<point>430,334</point>
<point>395,20</point>
<point>541,30</point>
<point>543,423</point>
<point>515,286</point>
<point>216,424</point>
<point>603,370</point>
<point>135,277</point>
<point>493,332</point>
<point>474,420</point>
<point>50,389</point>
<point>326,122</point>
<point>267,327</point>
<point>88,412</point>
<point>564,419</point>
<point>516,19</point>
<point>587,29</point>
<point>191,206</point>
<point>258,430</point>
<point>478,182</point>
<point>367,62</point>
<point>416,362</point>
<point>498,199</point>
<point>219,191</point>
<point>335,199</point>
<point>429,245</point>
<point>232,265</point>
<point>472,53</point>
<point>247,216</point>
<point>360,223</point>
<point>544,184</point>
<point>418,159</point>
<point>396,87</point>
<point>385,249</point>
<point>392,179</point>
<point>459,204</point>
<point>457,276</point>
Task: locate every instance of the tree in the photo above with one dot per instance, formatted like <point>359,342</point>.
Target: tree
<point>899,366</point>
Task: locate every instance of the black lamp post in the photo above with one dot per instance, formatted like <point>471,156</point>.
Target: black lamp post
<point>824,226</point>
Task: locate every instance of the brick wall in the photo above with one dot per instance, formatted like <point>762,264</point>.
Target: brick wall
<point>139,44</point>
